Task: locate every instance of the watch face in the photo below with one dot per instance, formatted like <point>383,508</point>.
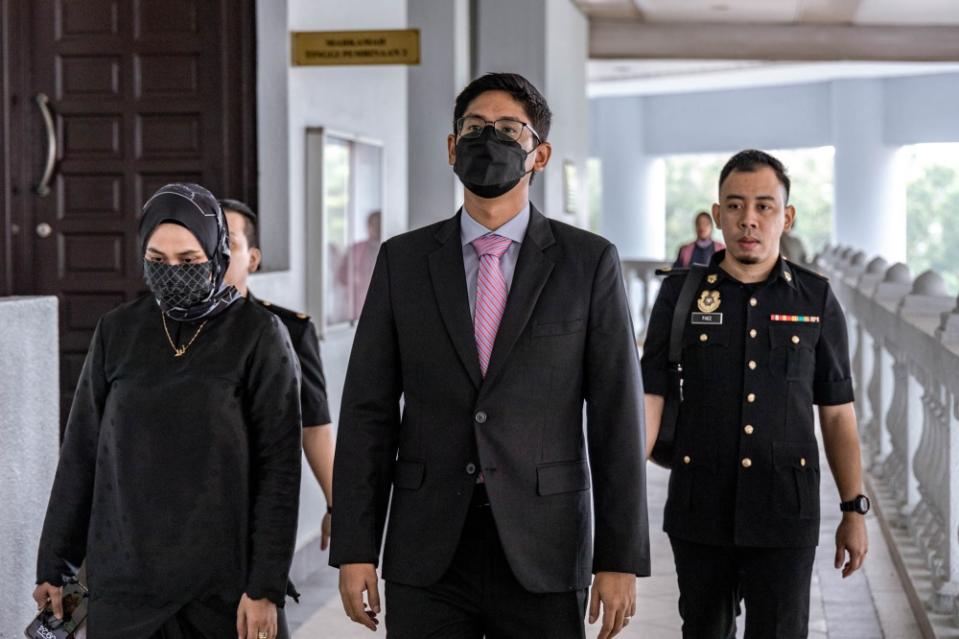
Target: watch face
<point>862,504</point>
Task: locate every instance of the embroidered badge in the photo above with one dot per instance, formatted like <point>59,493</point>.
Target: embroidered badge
<point>711,278</point>
<point>708,301</point>
<point>801,319</point>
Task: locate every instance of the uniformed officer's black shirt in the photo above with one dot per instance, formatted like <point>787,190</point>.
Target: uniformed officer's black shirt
<point>756,357</point>
<point>314,404</point>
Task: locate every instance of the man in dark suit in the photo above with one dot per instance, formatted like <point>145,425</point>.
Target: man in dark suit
<point>494,326</point>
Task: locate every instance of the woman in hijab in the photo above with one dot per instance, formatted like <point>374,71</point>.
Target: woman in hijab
<point>179,475</point>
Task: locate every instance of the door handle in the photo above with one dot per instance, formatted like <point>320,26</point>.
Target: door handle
<point>44,230</point>
<point>43,102</point>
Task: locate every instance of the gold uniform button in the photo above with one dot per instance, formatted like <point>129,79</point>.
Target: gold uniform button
<point>747,462</point>
<point>753,301</point>
<point>795,339</point>
<point>703,337</point>
<point>749,429</point>
<point>686,459</point>
<point>751,397</point>
<point>711,278</point>
<point>788,276</point>
<point>802,462</point>
<point>752,364</point>
<point>752,333</point>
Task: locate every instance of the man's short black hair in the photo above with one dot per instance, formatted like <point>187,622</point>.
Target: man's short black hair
<point>250,230</point>
<point>706,215</point>
<point>752,160</point>
<point>522,90</point>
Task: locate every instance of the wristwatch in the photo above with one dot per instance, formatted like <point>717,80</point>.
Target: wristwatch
<point>859,505</point>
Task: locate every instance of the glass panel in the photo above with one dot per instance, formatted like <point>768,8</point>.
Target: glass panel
<point>337,172</point>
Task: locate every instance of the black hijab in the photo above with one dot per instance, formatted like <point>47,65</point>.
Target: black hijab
<point>196,209</point>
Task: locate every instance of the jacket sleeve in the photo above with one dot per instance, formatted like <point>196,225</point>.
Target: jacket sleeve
<point>615,426</point>
<point>368,433</point>
<point>273,389</point>
<point>63,541</point>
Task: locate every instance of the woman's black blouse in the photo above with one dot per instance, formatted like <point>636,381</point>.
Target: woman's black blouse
<point>179,477</point>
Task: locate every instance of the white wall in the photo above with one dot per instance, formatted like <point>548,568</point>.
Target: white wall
<point>567,36</point>
<point>921,109</point>
<point>721,121</point>
<point>368,101</point>
<point>29,432</point>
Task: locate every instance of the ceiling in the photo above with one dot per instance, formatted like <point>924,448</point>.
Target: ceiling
<point>856,12</point>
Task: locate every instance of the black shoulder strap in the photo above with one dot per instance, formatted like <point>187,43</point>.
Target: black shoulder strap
<point>683,304</point>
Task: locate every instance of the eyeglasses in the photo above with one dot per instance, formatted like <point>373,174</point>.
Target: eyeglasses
<point>471,126</point>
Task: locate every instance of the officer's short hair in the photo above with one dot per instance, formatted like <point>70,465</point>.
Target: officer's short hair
<point>250,228</point>
<point>751,160</point>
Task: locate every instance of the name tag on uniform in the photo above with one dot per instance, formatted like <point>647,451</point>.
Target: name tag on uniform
<point>711,319</point>
<point>795,319</point>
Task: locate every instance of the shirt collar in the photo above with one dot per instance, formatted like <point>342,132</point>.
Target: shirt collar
<point>781,271</point>
<point>515,229</point>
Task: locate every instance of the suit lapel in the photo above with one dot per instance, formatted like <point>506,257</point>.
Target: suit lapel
<point>533,269</point>
<point>449,283</point>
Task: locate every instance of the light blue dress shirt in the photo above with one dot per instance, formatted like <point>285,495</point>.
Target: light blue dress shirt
<point>470,229</point>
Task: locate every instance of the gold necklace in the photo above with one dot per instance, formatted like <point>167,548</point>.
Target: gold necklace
<point>180,351</point>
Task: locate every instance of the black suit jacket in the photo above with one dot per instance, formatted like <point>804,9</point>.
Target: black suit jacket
<point>565,338</point>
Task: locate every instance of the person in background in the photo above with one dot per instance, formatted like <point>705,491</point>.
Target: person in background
<point>179,477</point>
<point>701,250</point>
<point>318,445</point>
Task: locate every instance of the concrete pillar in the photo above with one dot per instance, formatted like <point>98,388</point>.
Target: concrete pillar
<point>633,184</point>
<point>870,193</point>
<point>546,41</point>
<point>435,192</point>
<point>30,425</point>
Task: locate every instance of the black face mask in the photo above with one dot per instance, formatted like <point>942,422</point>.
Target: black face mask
<point>488,166</point>
<point>179,286</point>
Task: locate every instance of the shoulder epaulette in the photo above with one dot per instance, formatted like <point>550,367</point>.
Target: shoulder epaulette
<point>671,270</point>
<point>807,270</point>
<point>284,312</point>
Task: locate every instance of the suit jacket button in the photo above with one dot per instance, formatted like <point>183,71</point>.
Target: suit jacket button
<point>480,417</point>
<point>471,468</point>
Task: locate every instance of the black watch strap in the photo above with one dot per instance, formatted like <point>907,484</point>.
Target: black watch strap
<point>860,504</point>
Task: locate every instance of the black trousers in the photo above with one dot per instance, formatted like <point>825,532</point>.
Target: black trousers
<point>480,597</point>
<point>773,583</point>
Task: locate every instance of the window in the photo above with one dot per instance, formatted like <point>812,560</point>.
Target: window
<point>344,204</point>
<point>932,202</point>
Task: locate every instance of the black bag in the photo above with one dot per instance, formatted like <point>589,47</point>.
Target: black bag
<point>662,454</point>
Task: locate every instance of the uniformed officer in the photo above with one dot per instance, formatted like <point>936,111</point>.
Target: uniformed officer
<point>317,436</point>
<point>764,340</point>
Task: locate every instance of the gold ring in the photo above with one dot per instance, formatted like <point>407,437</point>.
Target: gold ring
<point>262,635</point>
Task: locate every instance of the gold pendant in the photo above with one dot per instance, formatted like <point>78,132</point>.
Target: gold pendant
<point>179,352</point>
<point>708,301</point>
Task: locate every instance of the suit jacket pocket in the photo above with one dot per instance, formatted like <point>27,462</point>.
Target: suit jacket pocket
<point>562,477</point>
<point>408,474</point>
<point>549,329</point>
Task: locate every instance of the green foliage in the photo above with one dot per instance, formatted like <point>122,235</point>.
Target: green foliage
<point>932,210</point>
<point>692,186</point>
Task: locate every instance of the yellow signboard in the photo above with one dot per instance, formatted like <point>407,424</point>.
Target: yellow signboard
<point>400,46</point>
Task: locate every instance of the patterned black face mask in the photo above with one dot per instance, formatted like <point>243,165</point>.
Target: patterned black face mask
<point>179,286</point>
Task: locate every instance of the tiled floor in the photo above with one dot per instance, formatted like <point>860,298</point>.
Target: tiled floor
<point>869,605</point>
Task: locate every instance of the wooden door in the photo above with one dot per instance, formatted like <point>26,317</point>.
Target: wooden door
<point>117,98</point>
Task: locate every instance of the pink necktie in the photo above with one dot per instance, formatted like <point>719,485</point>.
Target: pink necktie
<point>491,293</point>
